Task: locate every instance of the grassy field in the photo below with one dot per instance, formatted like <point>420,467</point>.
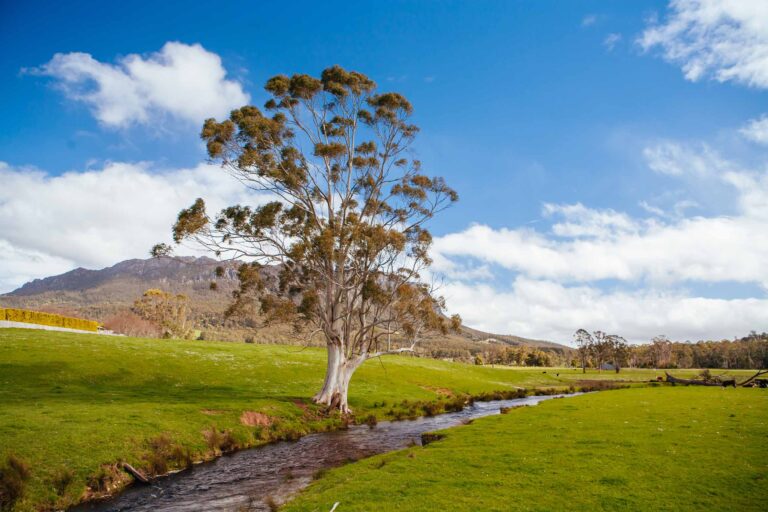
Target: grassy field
<point>675,449</point>
<point>71,405</point>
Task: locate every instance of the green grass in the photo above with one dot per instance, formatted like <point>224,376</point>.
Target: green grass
<point>670,448</point>
<point>74,402</point>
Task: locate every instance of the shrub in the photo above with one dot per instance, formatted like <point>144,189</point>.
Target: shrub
<point>131,324</point>
<point>181,456</point>
<point>432,408</point>
<point>430,437</point>
<point>156,463</point>
<point>212,438</point>
<point>62,479</point>
<point>163,452</point>
<point>50,319</point>
<point>223,441</point>
<point>456,404</point>
<point>101,480</point>
<point>370,420</point>
<point>13,477</point>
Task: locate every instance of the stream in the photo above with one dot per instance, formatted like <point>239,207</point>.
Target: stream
<point>248,479</point>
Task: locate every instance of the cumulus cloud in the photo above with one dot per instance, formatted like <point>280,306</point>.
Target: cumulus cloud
<point>726,40</point>
<point>716,249</point>
<point>756,130</point>
<point>600,268</point>
<point>181,81</point>
<point>550,310</point>
<point>20,265</point>
<point>96,218</point>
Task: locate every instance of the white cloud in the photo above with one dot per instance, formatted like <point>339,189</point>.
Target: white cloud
<point>600,268</point>
<point>756,130</point>
<point>676,159</point>
<point>715,249</point>
<point>181,81</point>
<point>675,211</point>
<point>22,265</point>
<point>726,40</point>
<point>588,20</point>
<point>550,310</point>
<point>98,217</point>
<point>586,222</point>
<point>611,40</point>
<point>753,195</point>
<point>654,210</point>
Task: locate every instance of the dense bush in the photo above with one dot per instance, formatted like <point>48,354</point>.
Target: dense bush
<point>131,324</point>
<point>51,319</point>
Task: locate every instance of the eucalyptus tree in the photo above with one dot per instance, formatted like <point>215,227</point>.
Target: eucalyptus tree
<point>584,343</point>
<point>601,348</point>
<point>166,310</point>
<point>347,223</point>
<point>619,350</point>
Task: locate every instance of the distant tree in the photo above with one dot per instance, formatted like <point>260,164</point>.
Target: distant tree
<point>347,226</point>
<point>601,348</point>
<point>131,324</point>
<point>166,310</point>
<point>661,351</point>
<point>619,351</point>
<point>750,352</point>
<point>584,342</point>
<point>537,358</point>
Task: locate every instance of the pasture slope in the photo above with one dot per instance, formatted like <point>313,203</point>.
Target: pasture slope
<point>643,449</point>
<point>73,405</point>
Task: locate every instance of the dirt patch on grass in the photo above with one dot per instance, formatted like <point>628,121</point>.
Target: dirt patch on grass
<point>440,391</point>
<point>309,412</point>
<point>301,405</point>
<point>255,419</point>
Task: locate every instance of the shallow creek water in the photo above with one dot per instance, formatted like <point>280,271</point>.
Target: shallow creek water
<point>245,480</point>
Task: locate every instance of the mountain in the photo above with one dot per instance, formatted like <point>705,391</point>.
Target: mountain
<point>100,294</point>
<point>179,272</point>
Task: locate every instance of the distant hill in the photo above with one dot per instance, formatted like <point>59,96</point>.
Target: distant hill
<point>185,272</point>
<point>98,294</point>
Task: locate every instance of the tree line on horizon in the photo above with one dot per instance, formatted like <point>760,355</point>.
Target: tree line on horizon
<point>748,352</point>
<point>166,314</point>
<point>598,348</point>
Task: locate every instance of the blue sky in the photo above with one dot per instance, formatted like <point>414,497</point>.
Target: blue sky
<point>525,107</point>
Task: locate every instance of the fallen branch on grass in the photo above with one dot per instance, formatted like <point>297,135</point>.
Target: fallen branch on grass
<point>759,373</point>
<point>692,382</point>
<point>135,473</point>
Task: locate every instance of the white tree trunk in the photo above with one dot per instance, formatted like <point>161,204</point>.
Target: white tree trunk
<point>338,373</point>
